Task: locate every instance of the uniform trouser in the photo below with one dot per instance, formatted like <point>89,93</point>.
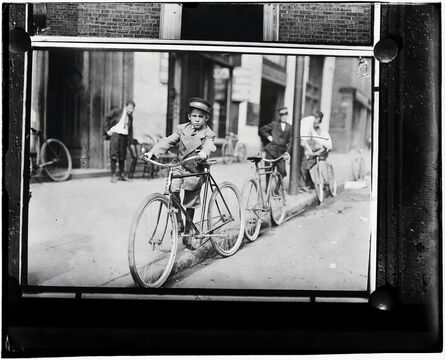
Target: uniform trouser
<point>192,188</point>
<point>118,151</point>
<point>280,165</point>
<point>306,165</point>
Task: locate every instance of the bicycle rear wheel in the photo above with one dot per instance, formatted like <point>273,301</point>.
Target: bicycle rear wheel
<point>252,209</point>
<point>56,160</point>
<point>332,183</point>
<point>225,219</point>
<point>277,199</point>
<point>153,242</point>
<point>241,152</point>
<point>227,152</point>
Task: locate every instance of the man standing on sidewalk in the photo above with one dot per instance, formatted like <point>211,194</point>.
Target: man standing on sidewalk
<point>278,135</point>
<point>118,129</point>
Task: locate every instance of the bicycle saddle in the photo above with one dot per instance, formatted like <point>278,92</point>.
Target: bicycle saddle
<point>255,159</point>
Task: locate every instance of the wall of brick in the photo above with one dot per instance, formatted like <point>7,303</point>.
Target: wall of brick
<point>62,19</point>
<point>135,20</point>
<point>330,23</point>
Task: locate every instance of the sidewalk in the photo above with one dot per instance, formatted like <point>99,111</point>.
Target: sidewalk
<point>78,230</point>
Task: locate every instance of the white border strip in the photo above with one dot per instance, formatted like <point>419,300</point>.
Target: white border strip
<point>374,172</point>
<point>204,48</point>
<point>24,139</point>
<point>221,46</point>
<point>377,17</point>
<point>375,160</point>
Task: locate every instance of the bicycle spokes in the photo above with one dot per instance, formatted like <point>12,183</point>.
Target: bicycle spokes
<point>225,221</point>
<point>153,243</point>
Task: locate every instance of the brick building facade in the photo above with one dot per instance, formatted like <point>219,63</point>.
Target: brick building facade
<point>330,23</point>
<point>135,20</point>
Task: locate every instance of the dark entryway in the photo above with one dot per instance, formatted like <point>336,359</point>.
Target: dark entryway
<point>272,97</point>
<point>222,22</point>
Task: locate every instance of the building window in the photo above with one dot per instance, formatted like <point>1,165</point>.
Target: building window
<point>221,22</point>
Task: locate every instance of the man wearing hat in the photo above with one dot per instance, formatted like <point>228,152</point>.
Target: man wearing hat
<point>277,136</point>
<point>118,128</point>
<point>192,137</point>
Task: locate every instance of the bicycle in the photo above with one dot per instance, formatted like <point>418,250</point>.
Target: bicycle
<point>259,205</point>
<point>153,240</point>
<point>232,149</point>
<point>358,165</point>
<point>53,157</point>
<point>323,170</point>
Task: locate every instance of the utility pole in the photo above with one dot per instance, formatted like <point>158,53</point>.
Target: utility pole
<point>296,152</point>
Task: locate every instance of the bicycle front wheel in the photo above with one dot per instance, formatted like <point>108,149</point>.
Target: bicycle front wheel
<point>153,242</point>
<point>225,219</point>
<point>252,209</point>
<point>227,153</point>
<point>277,199</point>
<point>56,160</point>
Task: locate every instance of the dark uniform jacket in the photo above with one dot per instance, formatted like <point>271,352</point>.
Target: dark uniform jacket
<point>189,141</point>
<point>281,139</point>
<point>112,118</point>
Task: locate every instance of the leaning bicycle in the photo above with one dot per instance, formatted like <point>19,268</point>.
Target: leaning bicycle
<point>153,241</point>
<point>233,150</point>
<point>259,204</point>
<point>52,157</point>
<point>323,176</point>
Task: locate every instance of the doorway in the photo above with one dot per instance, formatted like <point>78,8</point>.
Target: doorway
<point>272,97</point>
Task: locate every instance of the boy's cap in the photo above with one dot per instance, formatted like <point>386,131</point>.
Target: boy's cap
<point>281,109</point>
<point>201,104</point>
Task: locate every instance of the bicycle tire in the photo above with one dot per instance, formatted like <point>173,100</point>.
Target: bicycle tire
<point>227,153</point>
<point>57,158</point>
<point>241,152</point>
<point>139,244</point>
<point>217,211</point>
<point>250,201</point>
<point>319,190</point>
<point>332,183</point>
<point>277,199</point>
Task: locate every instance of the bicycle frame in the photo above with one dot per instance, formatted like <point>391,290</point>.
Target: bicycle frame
<point>209,182</point>
<point>259,171</point>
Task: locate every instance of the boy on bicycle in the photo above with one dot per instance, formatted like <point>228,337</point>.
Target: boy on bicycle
<point>192,137</point>
<point>317,142</point>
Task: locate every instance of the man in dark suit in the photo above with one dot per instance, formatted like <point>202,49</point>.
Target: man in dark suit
<point>118,128</point>
<point>278,135</point>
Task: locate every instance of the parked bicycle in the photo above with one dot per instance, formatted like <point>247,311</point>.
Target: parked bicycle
<point>358,165</point>
<point>153,241</point>
<point>323,176</point>
<point>259,204</point>
<point>53,157</point>
<point>233,150</point>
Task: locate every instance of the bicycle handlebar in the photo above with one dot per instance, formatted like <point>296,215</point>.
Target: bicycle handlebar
<point>286,156</point>
<point>169,164</point>
<point>310,136</point>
